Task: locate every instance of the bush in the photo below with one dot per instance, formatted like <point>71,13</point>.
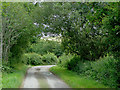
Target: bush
<point>105,71</point>
<point>32,59</point>
<point>36,59</point>
<point>49,58</point>
<point>102,70</point>
<point>82,67</point>
<point>6,67</point>
<point>43,47</point>
<point>73,62</point>
<point>64,59</point>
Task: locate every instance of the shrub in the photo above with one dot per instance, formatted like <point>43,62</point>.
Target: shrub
<point>36,59</point>
<point>73,62</point>
<point>102,70</point>
<point>105,71</point>
<point>82,67</point>
<point>32,59</point>
<point>7,69</point>
<point>43,47</point>
<point>64,59</point>
<point>49,58</point>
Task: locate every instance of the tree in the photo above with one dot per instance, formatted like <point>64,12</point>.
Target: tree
<point>80,34</point>
<point>18,28</point>
<point>111,24</point>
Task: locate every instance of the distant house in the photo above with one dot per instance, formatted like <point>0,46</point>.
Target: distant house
<point>50,36</point>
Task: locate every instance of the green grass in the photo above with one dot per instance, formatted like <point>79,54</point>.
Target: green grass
<point>0,80</point>
<point>14,80</point>
<point>0,74</point>
<point>74,80</point>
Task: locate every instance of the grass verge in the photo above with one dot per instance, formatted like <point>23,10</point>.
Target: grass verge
<point>0,80</point>
<point>14,80</point>
<point>74,80</point>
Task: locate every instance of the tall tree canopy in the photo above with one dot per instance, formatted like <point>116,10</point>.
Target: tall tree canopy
<point>80,25</point>
<point>89,30</point>
<point>18,28</point>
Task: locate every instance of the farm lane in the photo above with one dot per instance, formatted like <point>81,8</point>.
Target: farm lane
<point>41,77</point>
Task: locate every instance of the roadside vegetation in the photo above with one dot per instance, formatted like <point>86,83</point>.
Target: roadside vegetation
<point>43,52</point>
<point>74,80</point>
<point>88,46</point>
<point>14,79</point>
<point>102,71</point>
<point>0,80</point>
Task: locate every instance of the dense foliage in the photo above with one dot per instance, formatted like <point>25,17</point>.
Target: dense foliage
<point>80,35</point>
<point>37,59</point>
<point>44,46</point>
<point>103,70</point>
<point>18,29</point>
<point>42,52</point>
<point>90,32</point>
<point>50,58</point>
<point>64,60</point>
<point>32,59</point>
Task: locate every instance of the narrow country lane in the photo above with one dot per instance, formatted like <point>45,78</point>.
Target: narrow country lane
<point>41,77</point>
